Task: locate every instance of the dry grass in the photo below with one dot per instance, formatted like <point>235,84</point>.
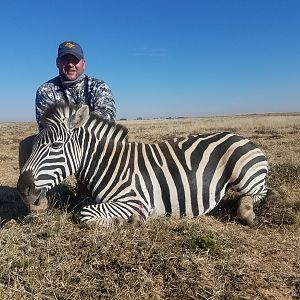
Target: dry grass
<point>210,257</point>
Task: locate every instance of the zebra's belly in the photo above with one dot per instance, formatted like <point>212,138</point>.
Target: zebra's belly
<point>184,205</point>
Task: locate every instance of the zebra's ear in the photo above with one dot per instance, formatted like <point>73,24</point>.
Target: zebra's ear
<point>79,117</point>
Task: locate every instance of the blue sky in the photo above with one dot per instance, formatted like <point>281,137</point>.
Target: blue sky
<point>160,57</point>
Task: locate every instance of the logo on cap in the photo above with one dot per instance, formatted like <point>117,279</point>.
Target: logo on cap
<point>69,45</point>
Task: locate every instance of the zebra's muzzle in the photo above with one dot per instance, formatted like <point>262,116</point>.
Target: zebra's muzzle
<point>26,188</point>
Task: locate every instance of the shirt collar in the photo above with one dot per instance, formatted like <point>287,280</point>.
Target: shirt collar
<point>71,83</point>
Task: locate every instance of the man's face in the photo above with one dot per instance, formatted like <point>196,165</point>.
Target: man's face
<point>70,67</point>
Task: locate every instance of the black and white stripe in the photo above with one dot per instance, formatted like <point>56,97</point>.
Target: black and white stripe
<point>181,176</point>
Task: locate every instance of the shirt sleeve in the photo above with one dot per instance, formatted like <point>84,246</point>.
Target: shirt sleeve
<point>42,102</point>
<point>103,102</point>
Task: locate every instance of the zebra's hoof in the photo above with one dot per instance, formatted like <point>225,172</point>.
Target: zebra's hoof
<point>249,220</point>
<point>135,220</point>
<point>245,212</point>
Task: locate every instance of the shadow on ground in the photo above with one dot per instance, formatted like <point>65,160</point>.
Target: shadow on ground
<point>275,211</point>
<point>11,205</point>
<point>68,197</point>
<point>62,197</point>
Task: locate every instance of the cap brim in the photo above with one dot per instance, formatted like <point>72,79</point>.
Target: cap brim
<point>77,55</point>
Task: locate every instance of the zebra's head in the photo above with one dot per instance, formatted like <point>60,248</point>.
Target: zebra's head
<point>56,151</point>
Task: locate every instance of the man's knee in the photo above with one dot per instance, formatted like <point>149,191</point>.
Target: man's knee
<point>25,149</point>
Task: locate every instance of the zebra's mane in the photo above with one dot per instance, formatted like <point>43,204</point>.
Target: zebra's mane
<point>59,112</point>
<point>110,124</point>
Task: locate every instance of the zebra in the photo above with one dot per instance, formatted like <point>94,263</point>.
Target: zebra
<point>186,176</point>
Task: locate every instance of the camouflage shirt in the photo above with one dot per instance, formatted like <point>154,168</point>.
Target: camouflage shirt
<point>85,90</point>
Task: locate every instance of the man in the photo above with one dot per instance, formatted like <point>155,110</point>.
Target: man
<point>73,86</point>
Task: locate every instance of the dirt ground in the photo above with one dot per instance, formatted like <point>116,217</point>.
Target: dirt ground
<point>210,257</point>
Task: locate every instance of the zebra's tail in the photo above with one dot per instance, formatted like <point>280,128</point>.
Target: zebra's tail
<point>266,194</point>
<point>262,194</point>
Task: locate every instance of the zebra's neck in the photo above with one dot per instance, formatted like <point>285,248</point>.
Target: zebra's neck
<point>101,143</point>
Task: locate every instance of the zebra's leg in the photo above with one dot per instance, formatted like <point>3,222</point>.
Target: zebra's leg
<point>110,214</point>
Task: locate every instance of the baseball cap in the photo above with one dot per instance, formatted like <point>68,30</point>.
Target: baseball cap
<point>70,47</point>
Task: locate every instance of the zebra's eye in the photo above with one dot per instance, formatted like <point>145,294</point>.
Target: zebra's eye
<point>56,145</point>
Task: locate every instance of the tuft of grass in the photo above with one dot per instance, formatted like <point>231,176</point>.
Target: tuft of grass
<point>206,243</point>
<point>22,263</point>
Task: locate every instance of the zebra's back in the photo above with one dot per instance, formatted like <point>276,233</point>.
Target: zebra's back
<point>189,176</point>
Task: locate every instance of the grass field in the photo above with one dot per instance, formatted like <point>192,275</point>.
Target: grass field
<point>210,257</point>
